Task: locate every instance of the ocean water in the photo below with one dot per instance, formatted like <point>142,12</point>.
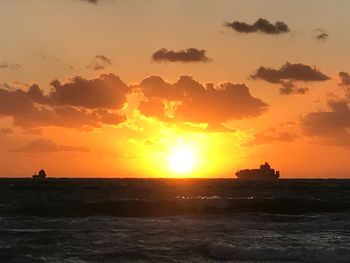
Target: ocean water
<point>164,220</point>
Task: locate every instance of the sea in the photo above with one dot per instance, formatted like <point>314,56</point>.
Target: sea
<point>174,220</point>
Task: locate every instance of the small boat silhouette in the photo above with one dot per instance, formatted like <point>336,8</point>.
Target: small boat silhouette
<point>40,176</point>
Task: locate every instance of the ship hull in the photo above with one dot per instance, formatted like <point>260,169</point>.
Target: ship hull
<point>257,178</point>
<point>38,178</point>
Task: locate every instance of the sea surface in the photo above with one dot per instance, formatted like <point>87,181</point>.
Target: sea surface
<point>168,220</point>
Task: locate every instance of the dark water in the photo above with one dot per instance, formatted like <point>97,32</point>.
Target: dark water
<point>129,220</point>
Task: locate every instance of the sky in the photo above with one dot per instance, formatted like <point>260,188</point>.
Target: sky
<point>174,88</point>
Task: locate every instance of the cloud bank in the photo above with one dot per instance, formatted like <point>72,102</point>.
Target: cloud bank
<point>81,104</point>
<point>199,103</point>
<point>86,104</point>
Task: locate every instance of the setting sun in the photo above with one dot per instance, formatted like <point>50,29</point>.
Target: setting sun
<point>182,159</point>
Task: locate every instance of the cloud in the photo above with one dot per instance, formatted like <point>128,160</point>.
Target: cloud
<point>270,136</point>
<point>37,95</point>
<point>289,88</point>
<point>61,116</point>
<point>344,79</point>
<point>330,127</point>
<point>322,36</point>
<point>10,66</point>
<point>81,104</point>
<point>218,127</point>
<point>291,72</point>
<point>152,108</point>
<point>90,1</point>
<point>111,118</point>
<point>48,146</point>
<point>203,104</point>
<point>188,55</point>
<point>99,62</point>
<point>21,84</point>
<point>14,102</point>
<point>261,25</point>
<point>107,91</point>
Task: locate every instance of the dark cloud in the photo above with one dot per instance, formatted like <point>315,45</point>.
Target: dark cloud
<point>37,95</point>
<point>10,66</point>
<point>48,146</point>
<point>291,72</point>
<point>198,103</point>
<point>14,102</point>
<point>322,36</point>
<point>188,55</point>
<point>104,59</point>
<point>261,25</point>
<point>344,79</point>
<point>60,116</point>
<point>81,104</point>
<point>330,127</point>
<point>270,136</point>
<point>90,1</point>
<point>289,88</point>
<point>111,118</point>
<point>156,87</point>
<point>99,62</point>
<point>152,108</point>
<point>107,91</point>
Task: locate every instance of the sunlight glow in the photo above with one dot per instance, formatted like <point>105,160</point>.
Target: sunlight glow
<point>182,159</point>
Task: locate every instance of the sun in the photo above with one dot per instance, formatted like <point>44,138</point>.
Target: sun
<point>182,159</point>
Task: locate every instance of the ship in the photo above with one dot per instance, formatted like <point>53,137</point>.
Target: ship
<point>40,176</point>
<point>264,173</point>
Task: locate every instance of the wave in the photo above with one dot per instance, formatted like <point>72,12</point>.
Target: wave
<point>223,251</point>
<point>156,208</point>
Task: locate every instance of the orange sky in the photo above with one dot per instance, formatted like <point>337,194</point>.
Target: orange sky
<point>154,88</point>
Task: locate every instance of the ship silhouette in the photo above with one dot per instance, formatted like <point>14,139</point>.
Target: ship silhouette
<point>40,176</point>
<point>264,173</point>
